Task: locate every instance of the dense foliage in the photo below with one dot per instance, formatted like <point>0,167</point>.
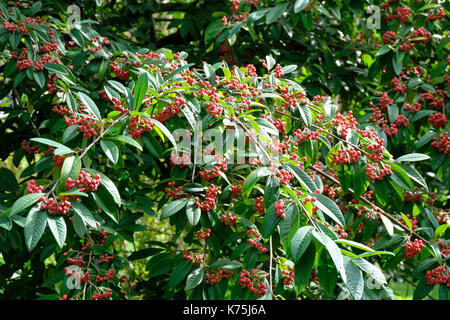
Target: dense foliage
<point>135,172</point>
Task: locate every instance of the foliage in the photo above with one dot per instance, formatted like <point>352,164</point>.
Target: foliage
<point>244,181</point>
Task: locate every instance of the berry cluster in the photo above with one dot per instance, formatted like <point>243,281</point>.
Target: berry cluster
<point>388,37</point>
<point>179,159</point>
<point>102,296</point>
<point>288,276</point>
<point>85,182</point>
<point>195,258</point>
<point>33,188</point>
<point>305,135</point>
<point>236,190</point>
<point>256,244</point>
<point>203,234</point>
<point>30,150</point>
<point>344,124</point>
<point>442,215</point>
<point>443,145</point>
<point>438,275</point>
<point>121,74</point>
<point>376,172</point>
<point>440,15</point>
<point>259,204</point>
<point>138,126</point>
<point>211,198</point>
<point>413,248</point>
<point>175,193</point>
<point>279,209</point>
<point>109,276</point>
<point>421,33</point>
<point>104,238</point>
<point>252,281</point>
<point>105,258</point>
<point>438,120</point>
<point>278,71</point>
<point>228,219</point>
<point>343,156</point>
<point>214,276</point>
<point>51,205</point>
<point>414,109</point>
<point>285,176</point>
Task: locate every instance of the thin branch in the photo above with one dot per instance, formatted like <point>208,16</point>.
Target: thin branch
<point>103,133</point>
<point>270,266</point>
<point>364,199</point>
<point>326,132</point>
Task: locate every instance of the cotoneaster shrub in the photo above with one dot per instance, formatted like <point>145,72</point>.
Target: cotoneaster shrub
<point>250,187</point>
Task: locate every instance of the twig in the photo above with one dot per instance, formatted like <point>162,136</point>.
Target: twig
<point>414,285</point>
<point>375,206</point>
<point>270,266</point>
<point>103,133</point>
<point>326,132</point>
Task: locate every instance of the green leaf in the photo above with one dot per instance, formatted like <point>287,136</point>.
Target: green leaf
<point>35,224</point>
<point>327,273</point>
<point>303,178</point>
<point>359,180</point>
<point>440,230</point>
<point>303,268</point>
<point>330,110</point>
<point>272,191</point>
<point>70,168</point>
<point>400,177</point>
<point>252,179</point>
<point>425,139</point>
<point>355,280</point>
<point>24,202</point>
<point>60,148</point>
<point>209,73</point>
<point>79,225</point>
<point>193,213</point>
<point>269,222</point>
<point>195,278</point>
<point>388,224</point>
<point>371,269</point>
<point>140,90</point>
<point>127,139</point>
<point>8,181</point>
<point>407,221</point>
<point>90,104</point>
<point>58,227</point>
<point>275,13</point>
<point>213,29</point>
<point>413,157</point>
<point>84,214</point>
<point>164,130</point>
<point>299,5</point>
<point>173,207</point>
<point>39,77</point>
<point>422,289</point>
<point>334,251</point>
<point>179,273</point>
<point>110,149</point>
<point>226,264</point>
<point>300,242</point>
<point>355,244</point>
<point>414,175</point>
<point>70,133</point>
<point>289,225</point>
<point>329,207</point>
<point>109,185</point>
<point>375,253</point>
